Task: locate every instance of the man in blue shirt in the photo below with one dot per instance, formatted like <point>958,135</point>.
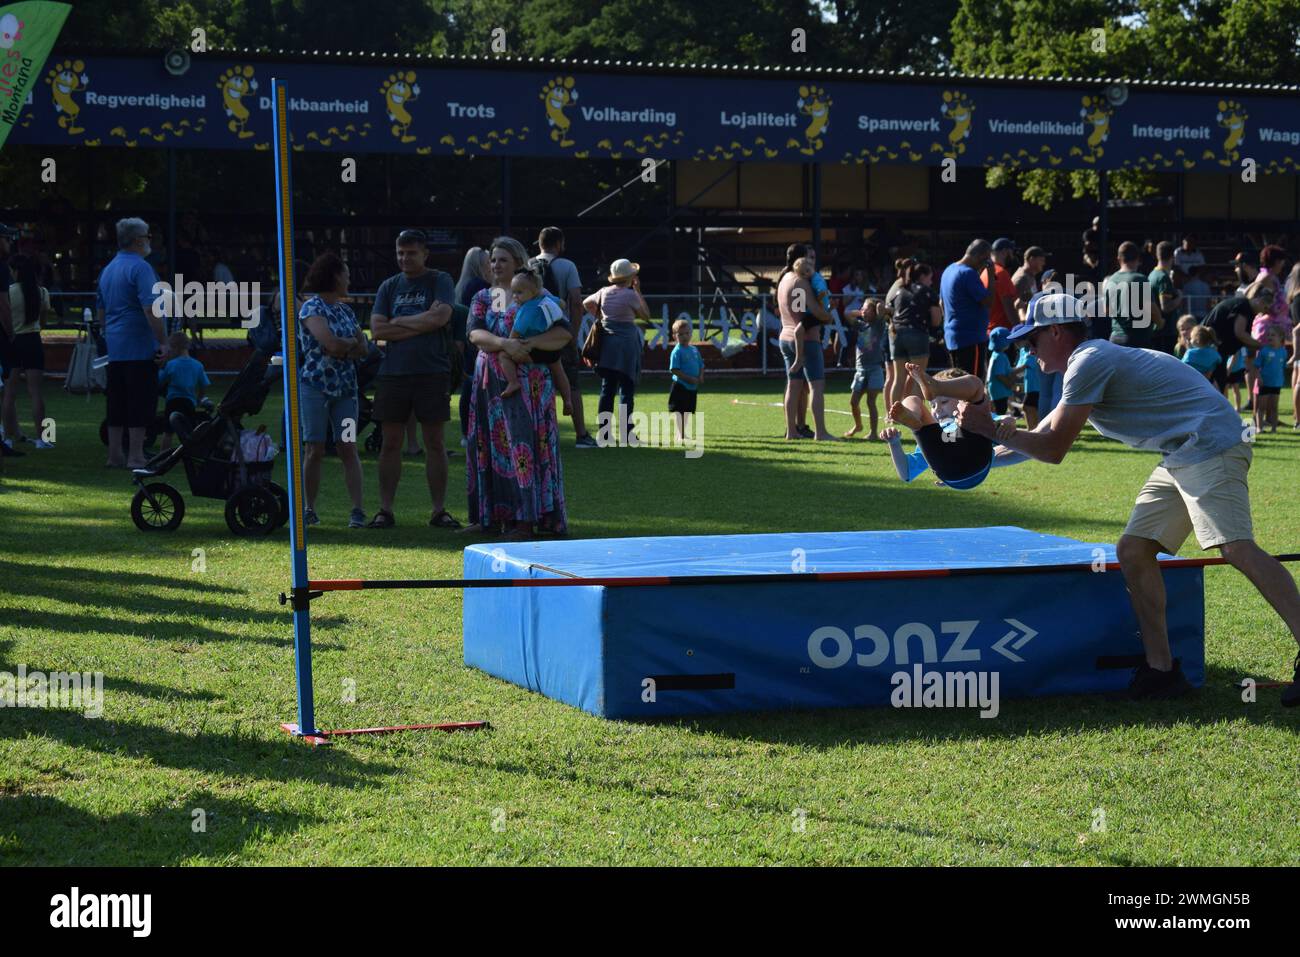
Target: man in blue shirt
<point>125,308</point>
<point>966,299</point>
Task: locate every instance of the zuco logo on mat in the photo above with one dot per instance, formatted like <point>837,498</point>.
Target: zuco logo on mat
<point>917,688</point>
<point>844,648</point>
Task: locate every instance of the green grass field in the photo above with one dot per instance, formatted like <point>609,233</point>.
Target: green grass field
<point>199,672</point>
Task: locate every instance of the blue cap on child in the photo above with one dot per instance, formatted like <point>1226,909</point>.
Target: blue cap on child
<point>999,339</point>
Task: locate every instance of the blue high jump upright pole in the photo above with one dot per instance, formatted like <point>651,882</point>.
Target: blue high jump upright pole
<point>301,594</point>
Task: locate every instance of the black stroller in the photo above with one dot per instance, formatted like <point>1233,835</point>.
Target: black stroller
<point>216,466</point>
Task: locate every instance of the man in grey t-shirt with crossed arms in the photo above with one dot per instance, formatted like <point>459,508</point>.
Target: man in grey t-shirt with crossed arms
<point>1150,400</point>
<point>411,308</point>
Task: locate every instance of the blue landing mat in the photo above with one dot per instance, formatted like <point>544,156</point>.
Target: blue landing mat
<point>651,651</point>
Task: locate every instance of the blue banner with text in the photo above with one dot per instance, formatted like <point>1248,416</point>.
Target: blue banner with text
<point>424,108</point>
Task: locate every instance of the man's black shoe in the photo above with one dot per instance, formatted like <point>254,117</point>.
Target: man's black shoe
<point>1291,695</point>
<point>1148,684</point>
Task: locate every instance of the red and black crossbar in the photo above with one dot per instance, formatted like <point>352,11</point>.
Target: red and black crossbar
<point>320,586</point>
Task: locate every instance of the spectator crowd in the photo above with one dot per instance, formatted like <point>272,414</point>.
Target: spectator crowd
<point>505,340</point>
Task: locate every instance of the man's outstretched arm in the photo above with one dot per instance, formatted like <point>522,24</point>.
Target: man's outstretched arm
<point>1048,442</point>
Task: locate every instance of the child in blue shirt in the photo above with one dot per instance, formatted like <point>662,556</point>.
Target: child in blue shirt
<point>1271,362</point>
<point>804,268</point>
<point>535,311</point>
<point>869,374</point>
<point>1027,366</point>
<point>1202,351</point>
<point>1237,375</point>
<point>960,460</point>
<point>1002,380</point>
<point>687,367</point>
<point>185,379</point>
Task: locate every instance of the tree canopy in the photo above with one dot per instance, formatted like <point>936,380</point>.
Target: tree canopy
<point>1214,40</point>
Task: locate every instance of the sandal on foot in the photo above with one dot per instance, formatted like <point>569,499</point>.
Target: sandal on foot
<point>383,519</point>
<point>443,519</point>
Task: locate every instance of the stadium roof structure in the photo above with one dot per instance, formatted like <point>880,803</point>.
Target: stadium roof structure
<point>670,68</point>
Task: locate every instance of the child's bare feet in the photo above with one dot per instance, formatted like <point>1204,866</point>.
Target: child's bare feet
<point>923,381</point>
<point>510,389</point>
<point>853,431</point>
<point>904,416</point>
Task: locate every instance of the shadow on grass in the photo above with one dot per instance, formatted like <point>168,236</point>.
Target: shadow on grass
<point>1213,704</point>
<point>228,754</point>
<point>39,830</point>
<point>114,580</point>
<point>156,629</point>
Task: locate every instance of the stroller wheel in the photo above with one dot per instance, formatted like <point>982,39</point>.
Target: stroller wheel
<point>157,507</point>
<point>282,497</point>
<point>252,511</point>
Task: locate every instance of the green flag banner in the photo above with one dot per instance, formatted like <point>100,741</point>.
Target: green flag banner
<point>27,32</point>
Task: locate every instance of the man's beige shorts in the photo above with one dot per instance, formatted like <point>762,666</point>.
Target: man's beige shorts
<point>1210,498</point>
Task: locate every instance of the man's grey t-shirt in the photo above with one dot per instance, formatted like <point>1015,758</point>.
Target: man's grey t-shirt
<point>566,277</point>
<point>398,296</point>
<point>1150,400</point>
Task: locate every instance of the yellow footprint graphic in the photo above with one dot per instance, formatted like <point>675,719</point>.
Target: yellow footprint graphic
<point>400,90</point>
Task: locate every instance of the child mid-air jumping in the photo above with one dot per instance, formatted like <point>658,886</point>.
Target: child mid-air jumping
<point>960,460</point>
<point>535,312</point>
<point>804,268</point>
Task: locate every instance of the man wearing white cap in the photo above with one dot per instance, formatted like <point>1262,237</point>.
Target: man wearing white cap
<point>1150,400</point>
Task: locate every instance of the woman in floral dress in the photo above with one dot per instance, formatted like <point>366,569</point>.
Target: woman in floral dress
<point>512,461</point>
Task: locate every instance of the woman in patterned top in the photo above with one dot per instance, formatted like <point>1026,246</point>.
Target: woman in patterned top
<point>329,340</point>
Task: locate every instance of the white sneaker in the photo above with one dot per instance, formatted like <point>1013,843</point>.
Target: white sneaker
<point>42,444</point>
